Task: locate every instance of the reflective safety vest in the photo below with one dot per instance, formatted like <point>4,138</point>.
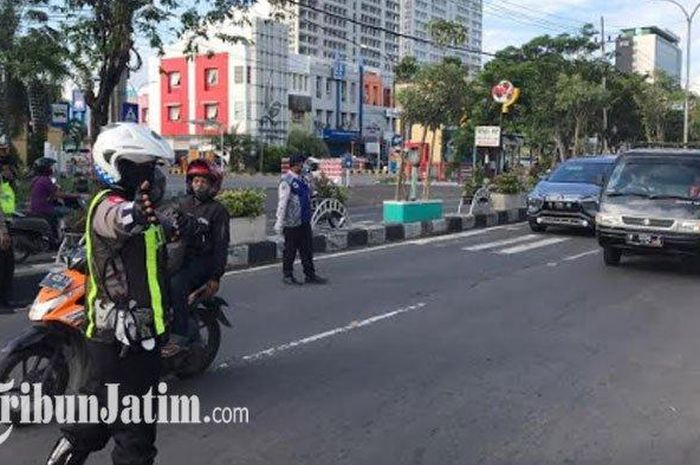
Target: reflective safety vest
<point>7,198</point>
<point>154,239</point>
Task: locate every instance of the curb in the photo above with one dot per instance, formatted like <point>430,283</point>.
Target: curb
<point>270,250</point>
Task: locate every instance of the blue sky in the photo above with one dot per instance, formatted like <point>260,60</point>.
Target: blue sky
<point>513,22</point>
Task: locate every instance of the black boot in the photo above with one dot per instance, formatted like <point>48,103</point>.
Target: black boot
<point>64,453</point>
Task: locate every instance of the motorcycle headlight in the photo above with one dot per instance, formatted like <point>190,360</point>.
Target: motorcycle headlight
<point>606,219</point>
<point>39,309</point>
<point>688,226</point>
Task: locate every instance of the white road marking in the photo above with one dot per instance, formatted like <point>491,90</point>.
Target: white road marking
<point>532,245</point>
<point>581,255</point>
<point>272,351</point>
<point>494,244</point>
<point>452,237</point>
<point>427,240</point>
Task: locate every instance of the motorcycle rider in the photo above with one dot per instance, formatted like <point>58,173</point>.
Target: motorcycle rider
<point>125,246</point>
<point>44,194</point>
<point>206,249</point>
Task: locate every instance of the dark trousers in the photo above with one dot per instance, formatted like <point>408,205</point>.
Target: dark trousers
<point>136,373</point>
<point>298,238</point>
<point>194,273</point>
<point>7,271</point>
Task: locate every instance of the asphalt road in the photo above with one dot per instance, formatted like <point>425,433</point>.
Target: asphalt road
<point>364,204</point>
<point>492,347</point>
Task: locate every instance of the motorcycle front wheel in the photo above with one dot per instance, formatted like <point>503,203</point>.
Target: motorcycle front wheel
<point>35,364</point>
<point>202,353</point>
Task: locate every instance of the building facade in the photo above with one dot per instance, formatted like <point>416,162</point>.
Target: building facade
<point>648,50</point>
<point>416,16</point>
<point>262,89</point>
<point>320,29</point>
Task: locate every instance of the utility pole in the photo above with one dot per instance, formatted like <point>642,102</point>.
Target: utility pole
<point>605,83</point>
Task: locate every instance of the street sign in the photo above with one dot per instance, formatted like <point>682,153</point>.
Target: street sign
<point>487,136</point>
<point>338,70</point>
<point>59,114</point>
<point>78,101</point>
<point>130,112</point>
<point>396,140</point>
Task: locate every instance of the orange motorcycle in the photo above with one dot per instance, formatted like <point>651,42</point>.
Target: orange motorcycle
<point>52,350</point>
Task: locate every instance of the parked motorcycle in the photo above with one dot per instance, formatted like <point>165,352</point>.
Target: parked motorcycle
<point>52,351</point>
<point>33,235</point>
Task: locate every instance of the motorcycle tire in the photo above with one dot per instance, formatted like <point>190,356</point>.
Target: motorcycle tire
<point>200,358</point>
<point>58,377</point>
<point>22,247</point>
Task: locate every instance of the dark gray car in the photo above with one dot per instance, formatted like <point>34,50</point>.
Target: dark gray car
<point>569,196</point>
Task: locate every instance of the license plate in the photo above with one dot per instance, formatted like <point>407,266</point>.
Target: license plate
<point>56,281</point>
<point>647,240</point>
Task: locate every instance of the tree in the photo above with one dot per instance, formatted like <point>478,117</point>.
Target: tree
<point>33,55</point>
<point>446,33</point>
<point>406,69</point>
<point>101,37</point>
<point>304,142</point>
<point>582,100</point>
<point>437,98</point>
<point>658,101</point>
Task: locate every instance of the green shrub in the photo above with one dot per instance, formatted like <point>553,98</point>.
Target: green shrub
<point>474,182</point>
<point>243,203</point>
<point>508,183</point>
<point>327,189</point>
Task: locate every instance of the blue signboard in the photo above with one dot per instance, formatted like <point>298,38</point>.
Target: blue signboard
<point>336,135</point>
<point>338,70</point>
<point>130,112</point>
<point>78,101</point>
<point>60,114</point>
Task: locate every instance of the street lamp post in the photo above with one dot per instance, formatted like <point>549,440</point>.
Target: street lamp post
<point>689,18</point>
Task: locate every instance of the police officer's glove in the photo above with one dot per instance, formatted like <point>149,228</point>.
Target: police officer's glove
<point>144,213</point>
<point>170,221</point>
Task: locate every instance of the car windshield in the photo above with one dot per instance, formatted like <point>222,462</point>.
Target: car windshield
<point>675,178</point>
<point>589,173</point>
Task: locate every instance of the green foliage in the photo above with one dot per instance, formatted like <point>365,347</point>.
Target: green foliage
<point>242,148</point>
<point>508,183</point>
<point>243,203</point>
<point>302,141</point>
<point>406,69</point>
<point>474,182</point>
<point>327,189</point>
<point>445,32</point>
<point>272,158</point>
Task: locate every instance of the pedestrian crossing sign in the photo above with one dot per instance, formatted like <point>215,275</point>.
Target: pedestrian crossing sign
<point>130,112</point>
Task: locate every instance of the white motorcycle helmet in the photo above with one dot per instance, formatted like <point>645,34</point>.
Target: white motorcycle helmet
<point>127,141</point>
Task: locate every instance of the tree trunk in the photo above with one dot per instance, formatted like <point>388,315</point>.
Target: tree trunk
<point>577,136</point>
<point>561,147</point>
<point>38,103</point>
<point>99,116</point>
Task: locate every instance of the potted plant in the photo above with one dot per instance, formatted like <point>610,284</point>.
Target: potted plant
<point>247,210</point>
<point>508,192</point>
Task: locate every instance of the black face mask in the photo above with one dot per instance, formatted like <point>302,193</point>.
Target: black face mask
<point>134,175</point>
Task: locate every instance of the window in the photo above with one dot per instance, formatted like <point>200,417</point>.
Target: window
<point>328,88</point>
<point>238,75</point>
<point>329,118</point>
<point>248,75</point>
<point>211,111</point>
<point>238,109</point>
<point>353,92</point>
<point>174,113</point>
<point>319,85</point>
<point>174,80</point>
<point>212,77</point>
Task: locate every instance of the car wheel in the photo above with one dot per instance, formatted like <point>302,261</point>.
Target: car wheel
<point>612,256</point>
<point>538,228</point>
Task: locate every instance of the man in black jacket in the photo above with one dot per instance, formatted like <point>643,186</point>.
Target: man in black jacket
<point>206,249</point>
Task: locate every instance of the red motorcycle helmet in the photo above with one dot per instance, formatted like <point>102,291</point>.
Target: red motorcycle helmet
<point>205,169</point>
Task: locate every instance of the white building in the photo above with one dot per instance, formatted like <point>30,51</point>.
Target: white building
<point>320,29</point>
<point>416,15</point>
<point>647,50</point>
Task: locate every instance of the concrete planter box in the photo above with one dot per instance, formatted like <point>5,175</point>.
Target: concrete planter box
<point>247,230</point>
<point>502,202</point>
<point>412,212</point>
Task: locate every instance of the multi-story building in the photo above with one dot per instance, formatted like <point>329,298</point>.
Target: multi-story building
<point>416,17</point>
<point>262,89</point>
<point>241,86</point>
<point>647,50</point>
<point>321,29</point>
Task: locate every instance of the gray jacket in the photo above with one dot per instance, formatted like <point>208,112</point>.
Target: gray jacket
<point>288,206</point>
